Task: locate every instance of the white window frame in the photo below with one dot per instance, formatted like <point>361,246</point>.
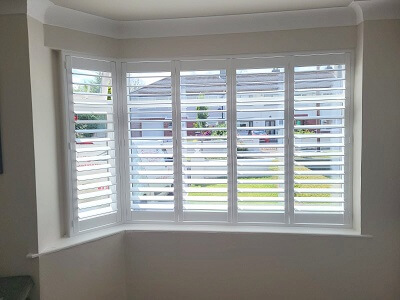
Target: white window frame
<point>287,60</point>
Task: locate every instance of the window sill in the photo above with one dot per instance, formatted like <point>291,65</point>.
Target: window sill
<point>244,229</point>
<point>70,242</point>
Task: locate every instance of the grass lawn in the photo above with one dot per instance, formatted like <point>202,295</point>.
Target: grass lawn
<point>240,185</point>
<point>267,185</point>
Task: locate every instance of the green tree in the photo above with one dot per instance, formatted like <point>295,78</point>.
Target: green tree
<point>201,115</point>
<point>91,86</point>
<point>221,132</point>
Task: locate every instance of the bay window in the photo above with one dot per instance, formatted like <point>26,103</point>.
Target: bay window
<point>234,141</point>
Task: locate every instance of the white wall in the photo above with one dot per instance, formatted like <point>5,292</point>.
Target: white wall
<point>46,108</point>
<point>8,7</point>
<point>250,266</point>
<point>330,38</point>
<point>92,271</point>
<point>18,230</point>
<point>67,39</point>
<point>357,126</point>
<point>381,146</point>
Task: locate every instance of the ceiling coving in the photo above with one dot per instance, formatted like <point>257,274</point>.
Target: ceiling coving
<point>134,10</point>
<point>125,19</point>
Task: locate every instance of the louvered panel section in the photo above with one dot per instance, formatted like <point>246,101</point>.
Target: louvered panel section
<point>203,98</point>
<point>260,139</point>
<point>150,134</point>
<point>95,152</point>
<point>319,141</point>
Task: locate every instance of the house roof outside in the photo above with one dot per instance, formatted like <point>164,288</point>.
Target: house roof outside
<point>246,83</point>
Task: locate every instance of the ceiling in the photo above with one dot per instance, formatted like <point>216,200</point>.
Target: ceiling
<point>131,10</point>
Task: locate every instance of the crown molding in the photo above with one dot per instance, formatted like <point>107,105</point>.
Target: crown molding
<point>368,10</point>
<point>239,23</point>
<point>359,11</point>
<point>48,13</point>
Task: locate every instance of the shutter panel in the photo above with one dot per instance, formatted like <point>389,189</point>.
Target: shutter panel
<point>151,145</point>
<point>260,144</point>
<point>204,133</point>
<point>319,143</point>
<point>93,142</point>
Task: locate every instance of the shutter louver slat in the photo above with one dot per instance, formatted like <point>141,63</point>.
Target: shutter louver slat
<point>319,142</point>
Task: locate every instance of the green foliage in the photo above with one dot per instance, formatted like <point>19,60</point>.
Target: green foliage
<point>91,126</point>
<point>201,115</point>
<point>303,131</point>
<point>91,86</point>
<point>109,92</point>
<point>221,132</point>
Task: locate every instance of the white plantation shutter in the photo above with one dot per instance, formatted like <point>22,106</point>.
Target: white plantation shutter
<point>204,140</point>
<point>150,144</point>
<point>92,142</point>
<point>321,135</point>
<point>260,141</point>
